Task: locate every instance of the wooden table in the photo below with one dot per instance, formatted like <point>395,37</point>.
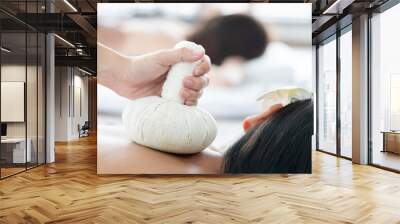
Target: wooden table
<point>391,141</point>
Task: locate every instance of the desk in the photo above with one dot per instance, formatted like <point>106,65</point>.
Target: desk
<point>391,141</point>
<point>15,148</point>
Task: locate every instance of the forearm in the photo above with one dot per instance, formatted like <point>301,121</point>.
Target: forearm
<point>113,37</point>
<point>111,66</point>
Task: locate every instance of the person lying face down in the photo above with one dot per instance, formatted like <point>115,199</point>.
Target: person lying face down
<point>234,35</point>
<point>278,140</point>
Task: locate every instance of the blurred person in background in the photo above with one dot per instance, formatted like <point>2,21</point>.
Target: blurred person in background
<point>230,39</point>
<point>246,61</point>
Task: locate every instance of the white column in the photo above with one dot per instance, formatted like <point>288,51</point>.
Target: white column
<point>360,90</point>
<point>50,99</point>
<point>50,92</point>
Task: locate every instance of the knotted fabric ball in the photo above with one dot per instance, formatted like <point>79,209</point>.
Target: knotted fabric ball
<point>165,123</point>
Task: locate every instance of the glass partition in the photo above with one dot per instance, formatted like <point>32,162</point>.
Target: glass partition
<point>22,77</point>
<point>327,96</point>
<point>32,88</point>
<point>13,109</point>
<point>346,94</point>
<point>31,99</point>
<point>41,111</point>
<point>385,89</point>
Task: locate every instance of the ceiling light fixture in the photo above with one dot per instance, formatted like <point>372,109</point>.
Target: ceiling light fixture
<point>65,41</point>
<point>84,71</point>
<point>79,51</point>
<point>70,5</point>
<point>5,50</point>
<point>337,7</point>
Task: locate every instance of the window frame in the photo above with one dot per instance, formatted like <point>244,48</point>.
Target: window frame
<point>333,37</point>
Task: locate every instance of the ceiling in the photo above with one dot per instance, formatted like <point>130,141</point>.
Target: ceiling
<point>75,21</point>
<point>331,15</point>
<point>75,43</point>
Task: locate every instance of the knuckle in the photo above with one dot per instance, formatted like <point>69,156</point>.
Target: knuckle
<point>200,71</point>
<point>193,94</point>
<point>198,84</point>
<point>207,68</point>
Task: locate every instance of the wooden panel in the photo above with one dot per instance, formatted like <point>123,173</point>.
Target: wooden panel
<point>92,101</point>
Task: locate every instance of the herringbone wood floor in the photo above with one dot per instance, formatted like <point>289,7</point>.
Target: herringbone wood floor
<point>69,191</point>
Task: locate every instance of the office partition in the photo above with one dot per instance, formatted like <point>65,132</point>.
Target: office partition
<point>22,77</point>
<point>327,96</point>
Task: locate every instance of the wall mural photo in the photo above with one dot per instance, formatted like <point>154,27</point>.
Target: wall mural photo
<point>204,88</point>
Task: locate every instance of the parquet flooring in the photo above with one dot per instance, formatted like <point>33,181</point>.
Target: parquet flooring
<point>69,191</point>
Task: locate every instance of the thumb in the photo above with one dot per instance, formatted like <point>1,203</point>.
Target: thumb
<point>173,56</point>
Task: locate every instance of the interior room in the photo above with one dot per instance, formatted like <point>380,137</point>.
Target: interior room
<point>49,98</point>
<point>25,68</point>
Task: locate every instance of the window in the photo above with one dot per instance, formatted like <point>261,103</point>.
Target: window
<point>385,89</point>
<point>346,94</point>
<point>394,102</point>
<point>327,97</point>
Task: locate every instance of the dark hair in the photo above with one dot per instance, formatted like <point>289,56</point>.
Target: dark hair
<point>231,35</point>
<point>281,144</point>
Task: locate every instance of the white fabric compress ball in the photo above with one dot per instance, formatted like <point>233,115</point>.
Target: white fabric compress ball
<point>165,123</point>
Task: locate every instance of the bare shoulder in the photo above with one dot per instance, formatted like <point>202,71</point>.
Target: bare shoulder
<point>118,155</point>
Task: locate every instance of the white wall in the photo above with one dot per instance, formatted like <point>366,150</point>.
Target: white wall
<point>16,73</point>
<point>62,81</point>
<point>79,117</point>
<point>34,124</point>
<point>70,83</point>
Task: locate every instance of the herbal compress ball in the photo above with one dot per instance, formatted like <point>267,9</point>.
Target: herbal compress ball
<point>165,123</point>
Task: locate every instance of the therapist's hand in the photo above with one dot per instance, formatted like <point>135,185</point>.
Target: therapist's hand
<point>145,75</point>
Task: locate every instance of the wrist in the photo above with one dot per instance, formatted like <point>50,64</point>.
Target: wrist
<point>124,69</point>
<point>113,67</point>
